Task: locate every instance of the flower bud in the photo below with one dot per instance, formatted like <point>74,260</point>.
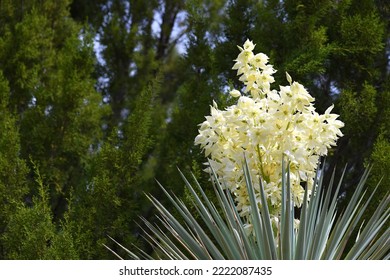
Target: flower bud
<point>235,93</point>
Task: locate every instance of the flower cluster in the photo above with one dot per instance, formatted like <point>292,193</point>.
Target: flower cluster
<point>266,125</point>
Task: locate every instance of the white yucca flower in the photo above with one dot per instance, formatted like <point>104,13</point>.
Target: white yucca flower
<point>266,126</point>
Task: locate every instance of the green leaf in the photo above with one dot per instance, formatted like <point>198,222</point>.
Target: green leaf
<point>221,232</point>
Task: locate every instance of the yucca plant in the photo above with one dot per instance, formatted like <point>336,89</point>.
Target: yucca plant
<point>254,218</point>
<point>221,233</point>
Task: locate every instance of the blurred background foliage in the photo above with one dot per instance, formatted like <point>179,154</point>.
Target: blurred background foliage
<point>98,99</point>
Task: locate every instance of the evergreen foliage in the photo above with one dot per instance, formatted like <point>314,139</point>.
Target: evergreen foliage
<point>13,170</point>
<point>199,86</point>
<point>31,234</point>
<point>113,198</point>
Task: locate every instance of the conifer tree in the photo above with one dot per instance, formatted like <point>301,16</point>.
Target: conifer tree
<point>131,51</point>
<point>114,196</point>
<point>133,62</point>
<point>31,233</point>
<point>199,85</point>
<point>48,61</point>
<point>13,170</point>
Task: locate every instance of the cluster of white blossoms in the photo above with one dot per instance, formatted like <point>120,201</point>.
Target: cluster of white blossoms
<point>266,126</point>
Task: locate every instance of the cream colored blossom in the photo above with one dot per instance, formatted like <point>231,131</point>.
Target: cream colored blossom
<point>266,126</point>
